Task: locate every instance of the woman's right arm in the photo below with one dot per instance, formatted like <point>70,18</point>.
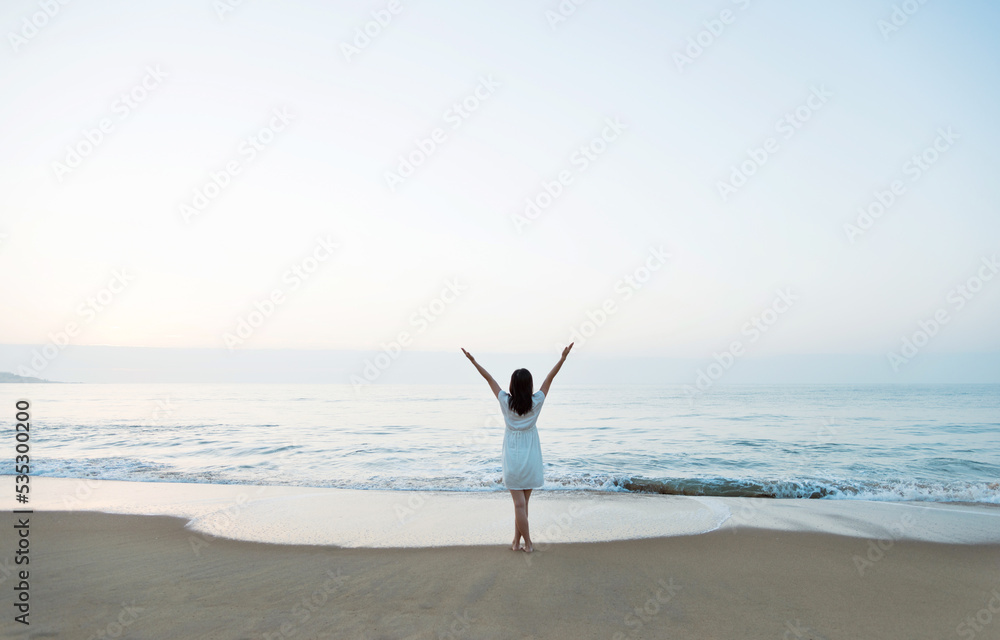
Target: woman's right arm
<point>552,374</point>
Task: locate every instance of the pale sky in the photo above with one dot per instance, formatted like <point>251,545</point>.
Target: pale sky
<point>111,233</point>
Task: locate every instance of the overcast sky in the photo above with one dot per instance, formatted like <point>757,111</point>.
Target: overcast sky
<point>170,170</point>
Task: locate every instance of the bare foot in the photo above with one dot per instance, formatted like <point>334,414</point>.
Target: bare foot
<point>528,548</point>
<point>516,544</point>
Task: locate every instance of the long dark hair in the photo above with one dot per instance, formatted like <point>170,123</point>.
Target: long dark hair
<point>521,388</point>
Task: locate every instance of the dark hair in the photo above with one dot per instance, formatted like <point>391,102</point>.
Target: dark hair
<point>521,388</point>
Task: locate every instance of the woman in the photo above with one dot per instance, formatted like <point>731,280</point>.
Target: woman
<point>522,451</point>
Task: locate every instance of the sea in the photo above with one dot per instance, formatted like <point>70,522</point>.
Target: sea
<point>899,442</point>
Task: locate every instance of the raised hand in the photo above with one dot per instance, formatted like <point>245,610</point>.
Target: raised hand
<point>566,350</point>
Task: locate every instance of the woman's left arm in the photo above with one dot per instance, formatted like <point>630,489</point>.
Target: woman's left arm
<point>494,387</point>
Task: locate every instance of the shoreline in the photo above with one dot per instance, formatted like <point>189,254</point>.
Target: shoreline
<point>152,577</point>
<point>409,519</point>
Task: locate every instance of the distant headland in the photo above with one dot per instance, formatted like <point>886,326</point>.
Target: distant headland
<point>13,377</point>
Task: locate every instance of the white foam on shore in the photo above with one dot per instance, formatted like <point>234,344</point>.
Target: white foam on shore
<point>359,518</point>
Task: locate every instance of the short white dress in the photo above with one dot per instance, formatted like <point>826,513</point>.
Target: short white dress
<point>522,451</point>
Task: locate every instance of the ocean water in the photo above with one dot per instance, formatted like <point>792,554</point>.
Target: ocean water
<point>870,442</point>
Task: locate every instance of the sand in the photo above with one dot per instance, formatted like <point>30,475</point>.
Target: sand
<point>149,577</point>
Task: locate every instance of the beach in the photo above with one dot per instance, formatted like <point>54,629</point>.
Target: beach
<point>92,571</point>
<point>769,569</point>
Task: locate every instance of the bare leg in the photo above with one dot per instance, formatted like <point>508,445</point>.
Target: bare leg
<point>521,518</point>
<point>516,545</point>
<point>527,496</point>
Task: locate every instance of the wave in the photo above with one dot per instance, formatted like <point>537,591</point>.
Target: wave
<point>136,469</point>
<point>811,488</point>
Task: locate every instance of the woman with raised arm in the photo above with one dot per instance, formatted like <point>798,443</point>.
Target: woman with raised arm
<point>522,451</point>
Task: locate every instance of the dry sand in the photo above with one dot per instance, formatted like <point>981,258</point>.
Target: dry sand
<point>96,575</point>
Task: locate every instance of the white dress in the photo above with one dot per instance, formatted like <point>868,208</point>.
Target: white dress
<point>522,451</point>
